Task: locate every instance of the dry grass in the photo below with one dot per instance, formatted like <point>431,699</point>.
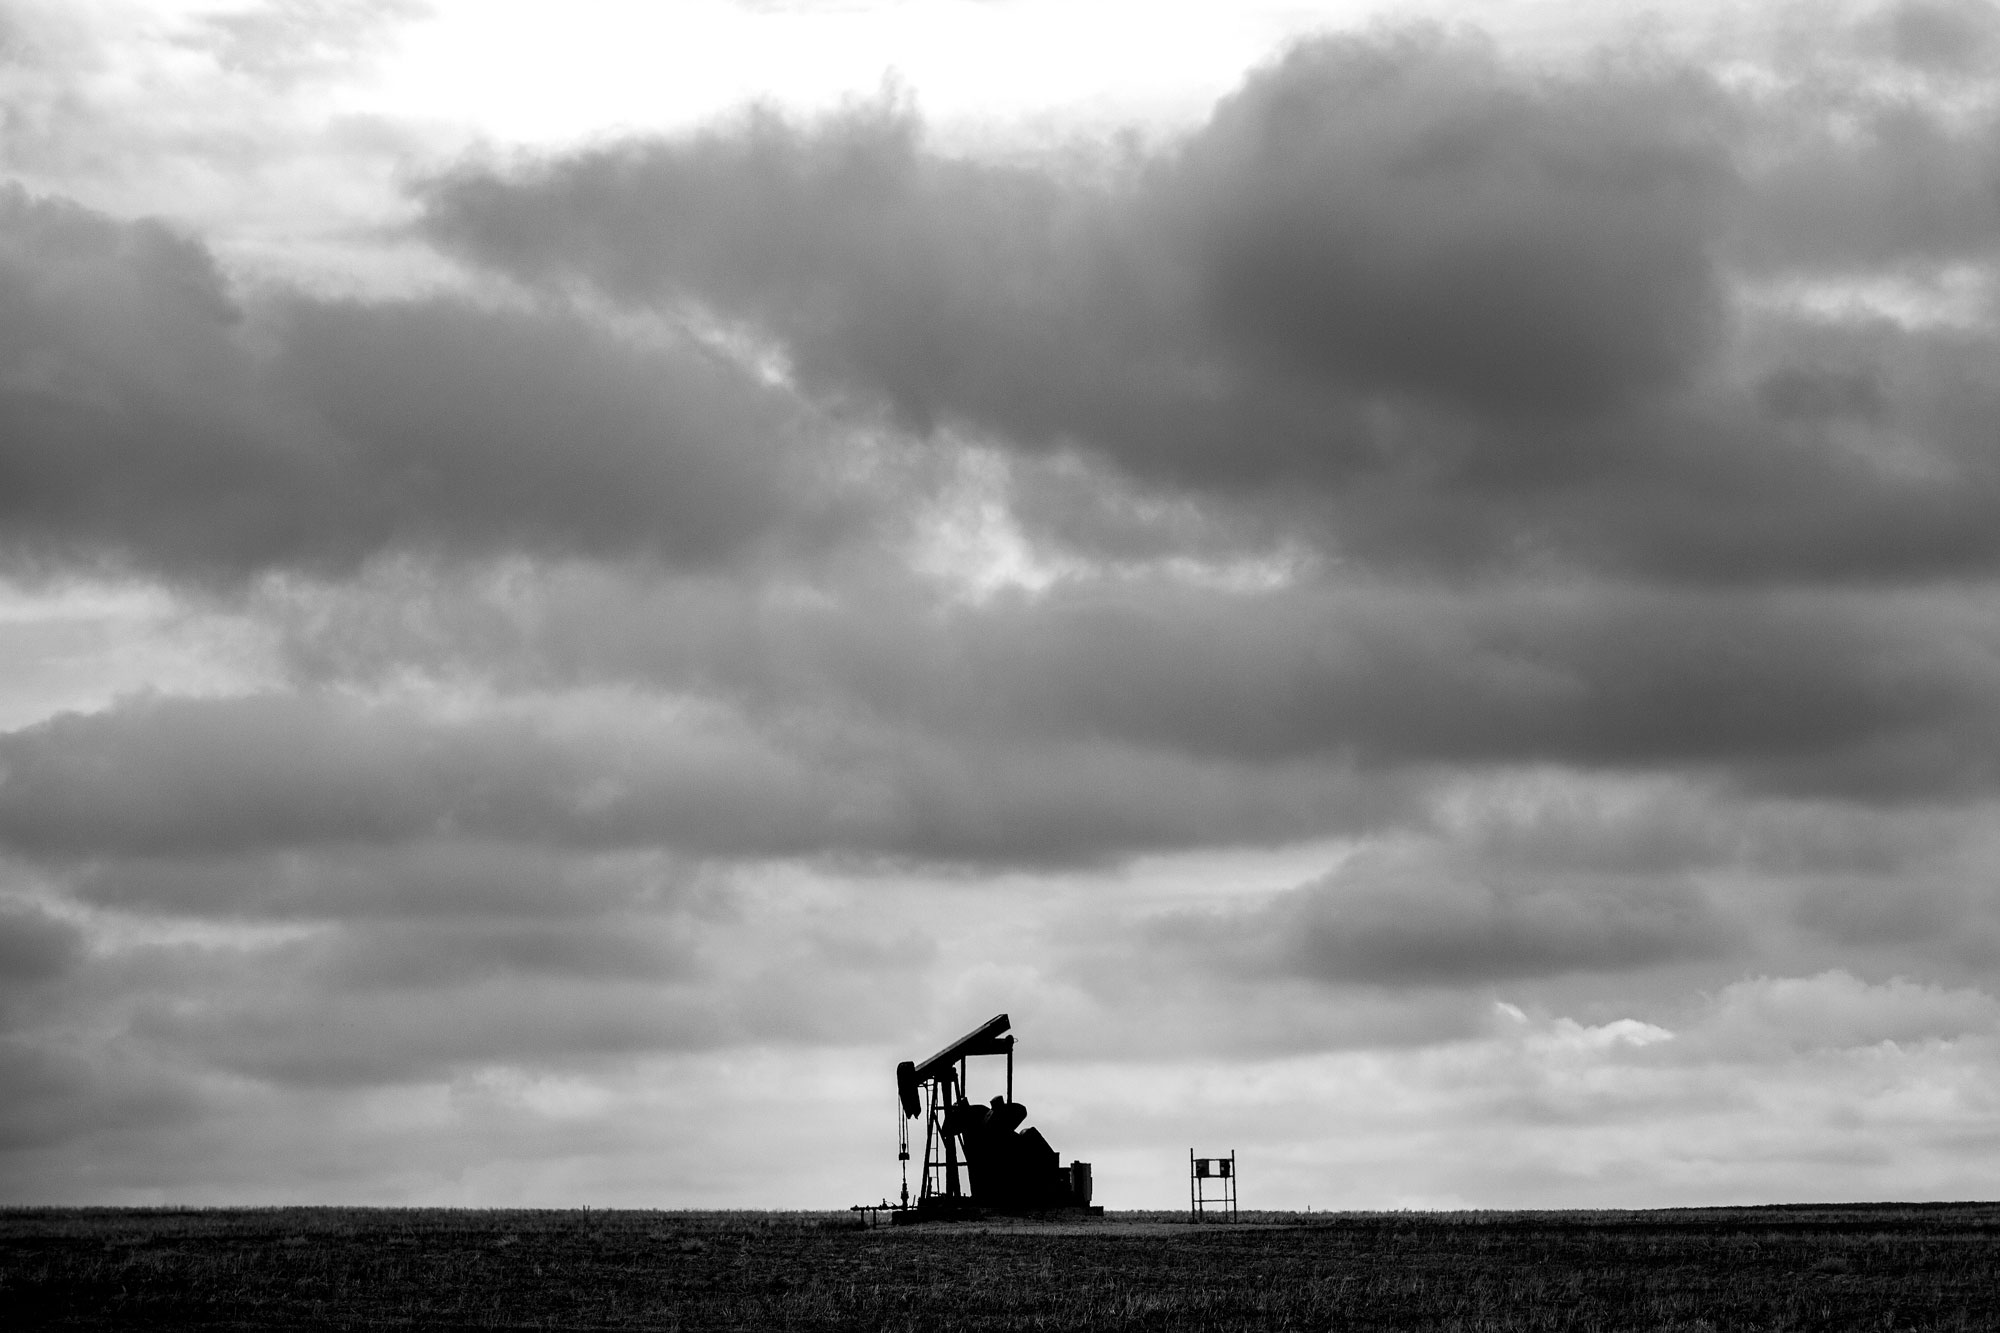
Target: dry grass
<point>1865,1267</point>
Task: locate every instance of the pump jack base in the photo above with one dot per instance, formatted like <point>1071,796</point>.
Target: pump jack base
<point>940,1210</point>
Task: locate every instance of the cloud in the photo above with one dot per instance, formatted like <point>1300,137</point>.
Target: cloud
<point>1857,180</point>
<point>1556,890</point>
<point>1218,315</point>
<point>1585,1112</point>
<point>1273,317</point>
<point>1409,214</point>
<point>1384,920</point>
<point>191,778</point>
<point>35,946</point>
<point>437,877</point>
<point>368,992</point>
<point>1943,914</point>
<point>365,1033</point>
<point>1957,35</point>
<point>1082,726</point>
<point>1450,598</point>
<point>1877,697</point>
<point>58,1095</point>
<point>152,421</point>
<point>1836,1010</point>
<point>497,1135</point>
<point>289,41</point>
<point>1415,303</point>
<point>482,431</point>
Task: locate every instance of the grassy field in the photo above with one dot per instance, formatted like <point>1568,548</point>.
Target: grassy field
<point>1809,1268</point>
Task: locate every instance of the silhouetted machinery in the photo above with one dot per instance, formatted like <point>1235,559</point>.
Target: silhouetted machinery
<point>1009,1169</point>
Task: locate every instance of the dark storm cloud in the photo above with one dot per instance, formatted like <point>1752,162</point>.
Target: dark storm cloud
<point>1380,923</point>
<point>57,1095</point>
<point>403,955</point>
<point>188,778</point>
<point>948,288</point>
<point>199,777</point>
<point>146,419</point>
<point>35,946</point>
<point>1409,214</point>
<point>1962,36</point>
<point>1396,297</point>
<point>1660,827</point>
<point>475,430</point>
<point>1414,302</point>
<point>1540,888</point>
<point>367,1002</point>
<point>1405,216</point>
<point>1786,688</point>
<point>383,1036</point>
<point>1939,915</point>
<point>391,1001</point>
<point>1081,726</point>
<point>439,877</point>
<point>1883,698</point>
<point>184,776</point>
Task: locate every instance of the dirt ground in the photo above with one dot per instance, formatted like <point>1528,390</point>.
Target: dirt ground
<point>1877,1267</point>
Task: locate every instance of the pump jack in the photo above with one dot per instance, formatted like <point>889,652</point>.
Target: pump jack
<point>1009,1171</point>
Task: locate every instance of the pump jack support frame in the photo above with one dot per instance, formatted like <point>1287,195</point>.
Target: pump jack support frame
<point>939,1078</point>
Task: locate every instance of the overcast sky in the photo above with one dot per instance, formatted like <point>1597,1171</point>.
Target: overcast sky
<point>1414,590</point>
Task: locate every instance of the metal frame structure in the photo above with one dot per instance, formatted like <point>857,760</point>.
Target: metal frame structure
<point>1201,1199</point>
<point>936,1080</point>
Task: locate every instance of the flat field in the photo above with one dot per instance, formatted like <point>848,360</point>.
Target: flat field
<point>1877,1267</point>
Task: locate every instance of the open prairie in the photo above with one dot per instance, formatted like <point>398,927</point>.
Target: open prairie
<point>1886,1266</point>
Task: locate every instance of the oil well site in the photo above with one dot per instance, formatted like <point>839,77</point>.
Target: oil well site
<point>1007,1169</point>
<point>1000,664</point>
<point>983,1161</point>
<point>991,1230</point>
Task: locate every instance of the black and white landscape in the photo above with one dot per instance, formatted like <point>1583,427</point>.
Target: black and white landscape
<point>1413,589</point>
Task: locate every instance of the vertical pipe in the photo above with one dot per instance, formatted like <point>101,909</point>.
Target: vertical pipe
<point>950,1148</point>
<point>930,1133</point>
<point>1010,1071</point>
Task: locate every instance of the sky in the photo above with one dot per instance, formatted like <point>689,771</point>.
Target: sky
<point>1413,590</point>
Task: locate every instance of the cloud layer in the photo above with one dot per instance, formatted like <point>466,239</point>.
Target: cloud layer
<point>1455,582</point>
<point>1426,307</point>
<point>154,422</point>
